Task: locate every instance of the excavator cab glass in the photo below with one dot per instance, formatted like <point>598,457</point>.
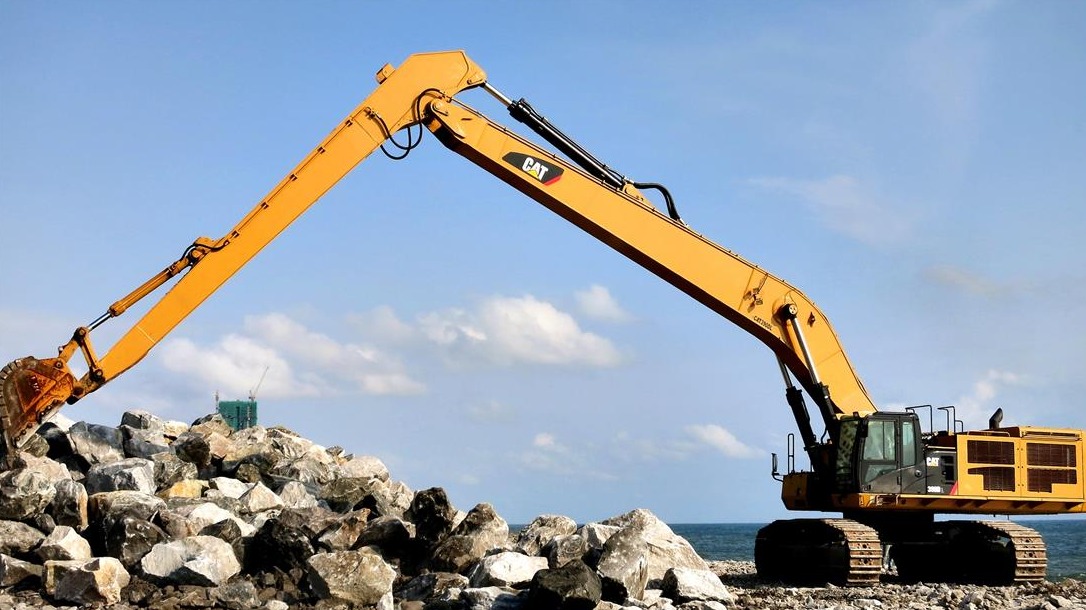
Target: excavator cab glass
<point>887,454</point>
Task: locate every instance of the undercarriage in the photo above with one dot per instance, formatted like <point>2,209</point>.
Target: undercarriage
<point>849,553</point>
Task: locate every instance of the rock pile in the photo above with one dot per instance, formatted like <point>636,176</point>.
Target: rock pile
<point>161,514</point>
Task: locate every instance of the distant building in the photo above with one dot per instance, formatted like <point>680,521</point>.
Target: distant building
<point>240,414</point>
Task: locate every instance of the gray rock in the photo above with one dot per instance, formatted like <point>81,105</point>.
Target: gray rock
<point>389,534</point>
<point>597,534</point>
<point>50,469</point>
<point>96,444</point>
<point>432,514</point>
<point>18,539</point>
<point>541,531</point>
<point>506,569</point>
<point>665,549</point>
<point>360,577</point>
<point>143,420</point>
<point>196,560</point>
<point>259,499</point>
<point>686,584</point>
<point>16,571</point>
<point>481,531</point>
<point>98,580</point>
<point>132,474</point>
<point>118,504</point>
<point>238,595</point>
<point>69,505</point>
<point>624,565</point>
<point>342,535</point>
<point>388,498</point>
<point>364,467</point>
<point>128,540</point>
<point>170,469</point>
<point>346,494</point>
<point>64,543</point>
<point>205,513</point>
<point>192,447</point>
<point>491,598</point>
<point>143,443</point>
<point>574,586</point>
<point>433,586</point>
<point>24,493</point>
<point>564,549</point>
<point>213,423</point>
<point>296,495</point>
<point>230,487</point>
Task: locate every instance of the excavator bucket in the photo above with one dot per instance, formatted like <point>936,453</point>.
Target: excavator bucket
<point>31,390</point>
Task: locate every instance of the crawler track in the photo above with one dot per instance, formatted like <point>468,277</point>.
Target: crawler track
<point>982,552</point>
<point>816,551</point>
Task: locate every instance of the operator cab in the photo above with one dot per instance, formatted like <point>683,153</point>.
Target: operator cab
<point>880,453</point>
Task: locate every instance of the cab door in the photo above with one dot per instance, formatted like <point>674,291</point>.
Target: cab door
<point>889,455</point>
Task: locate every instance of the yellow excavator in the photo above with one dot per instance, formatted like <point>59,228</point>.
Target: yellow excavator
<point>886,476</point>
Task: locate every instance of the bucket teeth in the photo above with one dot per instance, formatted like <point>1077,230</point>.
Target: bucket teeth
<point>31,390</point>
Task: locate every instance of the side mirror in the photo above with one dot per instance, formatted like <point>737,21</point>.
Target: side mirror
<point>776,472</point>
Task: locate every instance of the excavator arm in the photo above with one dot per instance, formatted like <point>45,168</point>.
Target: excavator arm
<point>585,192</point>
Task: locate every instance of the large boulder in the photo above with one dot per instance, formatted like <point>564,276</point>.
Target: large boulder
<point>623,566</point>
<point>342,534</point>
<point>197,560</point>
<point>18,539</point>
<point>64,543</point>
<point>259,499</point>
<point>18,572</point>
<point>24,493</point>
<point>364,467</point>
<point>95,444</point>
<point>686,585</point>
<point>432,514</point>
<point>482,530</point>
<point>69,505</point>
<point>541,531</point>
<point>94,581</point>
<point>295,495</point>
<point>433,586</point>
<point>389,534</point>
<point>574,586</point>
<point>125,503</point>
<point>564,549</point>
<point>170,469</point>
<point>129,539</point>
<point>506,569</point>
<point>664,548</point>
<point>359,577</point>
<point>133,474</point>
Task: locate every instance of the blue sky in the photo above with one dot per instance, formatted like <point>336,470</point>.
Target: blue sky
<point>918,169</point>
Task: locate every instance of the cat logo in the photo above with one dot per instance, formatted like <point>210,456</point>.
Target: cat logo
<point>540,170</point>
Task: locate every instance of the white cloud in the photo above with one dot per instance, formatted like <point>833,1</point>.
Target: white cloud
<point>300,362</point>
<point>548,455</point>
<point>597,302</point>
<point>545,440</point>
<point>722,440</point>
<point>975,407</point>
<point>517,330</point>
<point>382,324</point>
<point>845,205</point>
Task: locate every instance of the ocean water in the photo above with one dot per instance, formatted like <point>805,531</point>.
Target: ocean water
<point>1065,539</point>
